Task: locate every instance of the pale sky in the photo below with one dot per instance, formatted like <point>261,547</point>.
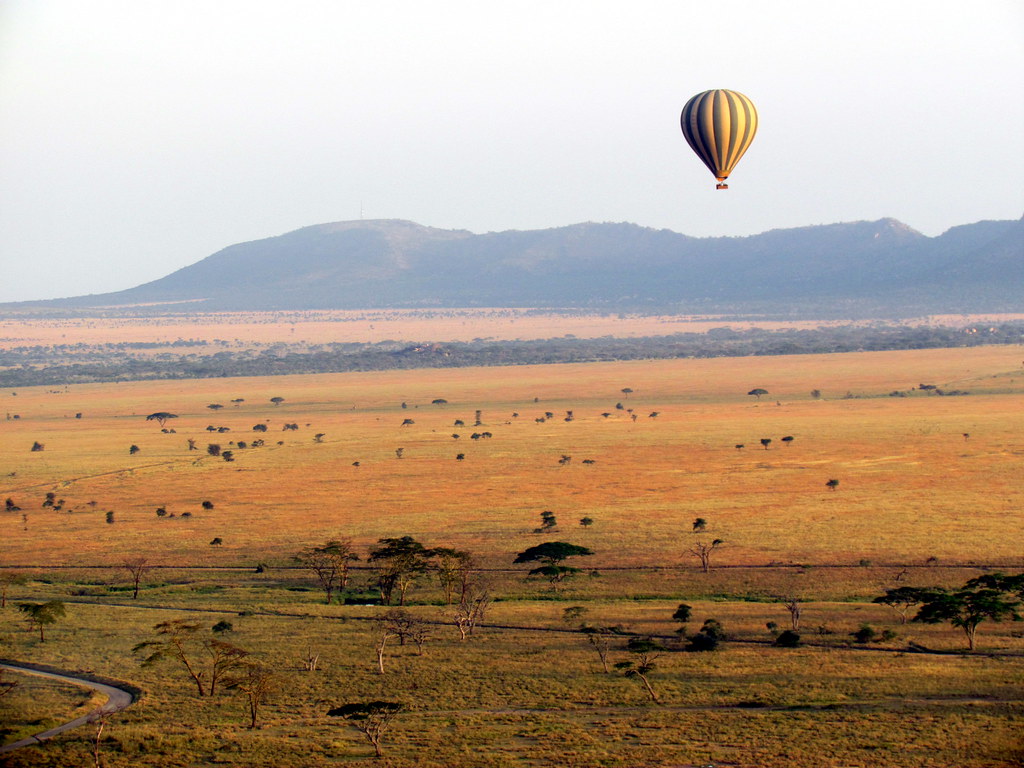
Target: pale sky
<point>140,136</point>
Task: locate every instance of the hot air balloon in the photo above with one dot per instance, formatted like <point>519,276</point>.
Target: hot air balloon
<point>719,126</point>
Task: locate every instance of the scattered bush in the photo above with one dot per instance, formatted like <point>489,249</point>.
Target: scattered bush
<point>787,639</point>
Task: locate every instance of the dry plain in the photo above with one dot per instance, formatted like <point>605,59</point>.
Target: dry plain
<point>930,492</point>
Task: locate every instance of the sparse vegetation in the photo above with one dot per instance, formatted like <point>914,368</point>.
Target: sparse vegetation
<point>501,648</point>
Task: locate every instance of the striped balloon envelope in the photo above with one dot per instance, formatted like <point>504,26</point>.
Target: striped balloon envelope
<point>719,126</point>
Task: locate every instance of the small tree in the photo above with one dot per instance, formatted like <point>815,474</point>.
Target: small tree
<point>552,553</point>
<point>277,400</point>
<point>601,638</point>
<point>646,651</point>
<point>371,718</point>
<point>133,449</point>
<point>766,441</point>
<point>702,551</point>
<point>256,683</point>
<point>548,522</point>
<point>683,613</point>
<point>206,660</point>
<point>832,484</point>
<point>399,563</point>
<point>10,579</point>
<point>699,524</point>
<point>902,600</point>
<point>793,605</point>
<point>161,417</point>
<point>709,637</point>
<point>41,615</point>
<point>137,567</point>
<point>451,567</point>
<point>330,564</point>
<point>757,392</point>
<point>37,447</point>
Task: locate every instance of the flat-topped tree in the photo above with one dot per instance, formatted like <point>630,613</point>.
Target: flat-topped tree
<point>160,417</point>
<point>757,392</point>
<point>551,554</point>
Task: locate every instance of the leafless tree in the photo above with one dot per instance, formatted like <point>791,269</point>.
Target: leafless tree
<point>137,567</point>
<point>601,639</point>
<point>476,598</point>
<point>702,551</point>
<point>793,605</point>
<point>256,682</point>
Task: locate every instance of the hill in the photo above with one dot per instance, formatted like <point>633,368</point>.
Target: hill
<point>882,268</point>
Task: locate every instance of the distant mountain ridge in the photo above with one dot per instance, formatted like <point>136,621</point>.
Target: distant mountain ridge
<point>877,267</point>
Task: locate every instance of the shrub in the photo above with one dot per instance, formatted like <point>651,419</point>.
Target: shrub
<point>787,639</point>
<point>864,635</point>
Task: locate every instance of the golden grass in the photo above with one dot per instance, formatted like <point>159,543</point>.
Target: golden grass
<point>911,488</point>
<point>245,328</point>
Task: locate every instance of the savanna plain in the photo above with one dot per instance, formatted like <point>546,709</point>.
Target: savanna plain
<point>591,661</point>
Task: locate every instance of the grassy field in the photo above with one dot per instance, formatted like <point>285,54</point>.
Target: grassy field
<point>930,493</point>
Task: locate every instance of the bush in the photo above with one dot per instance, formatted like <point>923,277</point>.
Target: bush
<point>223,626</point>
<point>37,446</point>
<point>864,635</point>
<point>708,639</point>
<point>682,614</point>
<point>787,639</point>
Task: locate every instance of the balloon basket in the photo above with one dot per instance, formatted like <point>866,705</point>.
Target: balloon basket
<point>721,186</point>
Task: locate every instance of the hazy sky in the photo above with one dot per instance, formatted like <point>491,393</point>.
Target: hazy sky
<point>139,136</point>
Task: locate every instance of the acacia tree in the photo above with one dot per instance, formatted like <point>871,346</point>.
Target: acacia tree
<point>371,718</point>
<point>399,563</point>
<point>702,551</point>
<point>330,564</point>
<point>901,600</point>
<point>161,417</point>
<point>453,567</point>
<point>646,651</point>
<point>990,597</point>
<point>476,598</point>
<point>600,638</point>
<point>41,615</point>
<point>137,567</point>
<point>206,659</point>
<point>10,579</point>
<point>757,392</point>
<point>551,554</point>
<point>256,682</point>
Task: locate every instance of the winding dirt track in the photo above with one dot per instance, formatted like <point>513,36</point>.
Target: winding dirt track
<point>117,699</point>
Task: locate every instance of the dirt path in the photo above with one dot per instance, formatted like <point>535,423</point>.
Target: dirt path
<point>117,699</point>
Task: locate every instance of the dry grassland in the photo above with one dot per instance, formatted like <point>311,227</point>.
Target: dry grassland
<point>243,328</point>
<point>526,691</point>
<point>911,486</point>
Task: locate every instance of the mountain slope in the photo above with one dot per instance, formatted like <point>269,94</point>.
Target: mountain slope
<point>864,267</point>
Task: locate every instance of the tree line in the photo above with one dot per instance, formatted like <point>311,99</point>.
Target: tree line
<point>36,366</point>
